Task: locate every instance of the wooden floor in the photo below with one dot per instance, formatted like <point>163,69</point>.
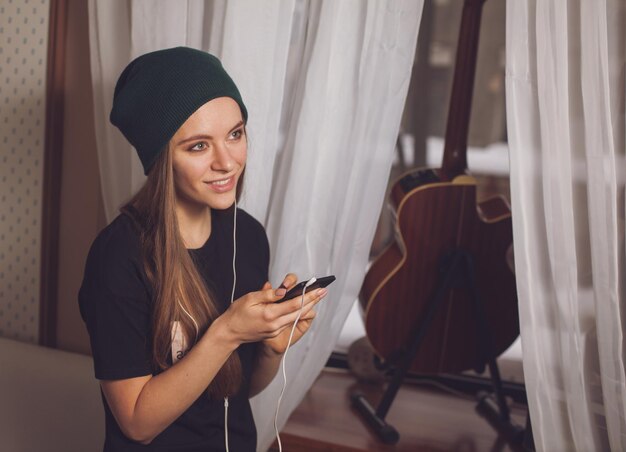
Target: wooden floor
<point>428,419</point>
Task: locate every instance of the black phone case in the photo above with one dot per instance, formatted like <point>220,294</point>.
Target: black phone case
<point>296,291</point>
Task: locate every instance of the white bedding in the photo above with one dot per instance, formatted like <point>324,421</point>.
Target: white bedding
<point>49,400</point>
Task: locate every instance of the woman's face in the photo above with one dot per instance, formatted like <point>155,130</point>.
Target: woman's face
<point>209,154</point>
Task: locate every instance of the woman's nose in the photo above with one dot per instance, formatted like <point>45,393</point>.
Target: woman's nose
<point>223,160</point>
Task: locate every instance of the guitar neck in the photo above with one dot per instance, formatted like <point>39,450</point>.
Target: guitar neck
<point>455,149</point>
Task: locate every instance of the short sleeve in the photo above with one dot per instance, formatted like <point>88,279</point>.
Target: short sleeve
<point>115,303</point>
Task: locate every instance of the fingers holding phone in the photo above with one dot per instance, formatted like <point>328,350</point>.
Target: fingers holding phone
<point>288,310</point>
<point>295,321</point>
<point>297,290</point>
<point>288,282</point>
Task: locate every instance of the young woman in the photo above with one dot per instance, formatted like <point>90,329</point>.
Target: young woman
<point>183,323</point>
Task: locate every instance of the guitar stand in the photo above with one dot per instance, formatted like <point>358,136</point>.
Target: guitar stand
<point>458,271</point>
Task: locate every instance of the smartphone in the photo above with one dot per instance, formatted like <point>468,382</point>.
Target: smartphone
<point>296,291</point>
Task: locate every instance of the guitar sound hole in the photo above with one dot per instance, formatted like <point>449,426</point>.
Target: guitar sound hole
<point>417,178</point>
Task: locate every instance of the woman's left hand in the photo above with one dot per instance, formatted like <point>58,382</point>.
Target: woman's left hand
<point>278,343</point>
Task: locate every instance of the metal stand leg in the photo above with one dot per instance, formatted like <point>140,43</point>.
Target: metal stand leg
<point>492,406</point>
<point>496,412</point>
<point>529,442</point>
<point>376,417</point>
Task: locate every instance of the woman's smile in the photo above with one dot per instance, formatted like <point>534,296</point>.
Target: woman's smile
<point>222,185</point>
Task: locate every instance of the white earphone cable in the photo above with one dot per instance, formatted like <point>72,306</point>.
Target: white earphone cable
<point>226,423</point>
<point>232,294</point>
<point>192,319</point>
<point>293,328</point>
<point>232,299</point>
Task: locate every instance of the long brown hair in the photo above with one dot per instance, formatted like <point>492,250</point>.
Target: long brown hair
<point>177,285</point>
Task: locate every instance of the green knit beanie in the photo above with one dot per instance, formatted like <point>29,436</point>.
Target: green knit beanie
<point>158,91</point>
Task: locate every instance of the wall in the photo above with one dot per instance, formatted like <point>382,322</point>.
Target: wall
<point>23,48</point>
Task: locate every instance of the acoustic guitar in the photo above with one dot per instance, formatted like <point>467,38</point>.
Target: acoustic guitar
<point>436,212</point>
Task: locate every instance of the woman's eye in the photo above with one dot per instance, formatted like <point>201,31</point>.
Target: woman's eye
<point>199,147</point>
<point>237,134</point>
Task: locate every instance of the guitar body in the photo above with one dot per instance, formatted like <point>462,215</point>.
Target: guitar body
<point>434,218</point>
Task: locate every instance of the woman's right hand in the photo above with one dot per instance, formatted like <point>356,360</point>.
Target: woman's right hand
<point>256,316</point>
<point>144,406</point>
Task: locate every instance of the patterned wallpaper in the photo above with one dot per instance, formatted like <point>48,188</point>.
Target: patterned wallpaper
<point>23,46</point>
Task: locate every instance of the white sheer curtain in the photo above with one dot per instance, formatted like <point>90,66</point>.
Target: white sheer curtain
<point>109,47</point>
<point>565,108</point>
<point>325,83</point>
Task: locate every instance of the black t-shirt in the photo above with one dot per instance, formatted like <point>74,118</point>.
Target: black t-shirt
<point>116,304</point>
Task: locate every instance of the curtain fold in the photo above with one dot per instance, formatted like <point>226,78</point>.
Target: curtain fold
<point>325,84</point>
<point>109,48</point>
<point>331,177</point>
<point>566,124</point>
